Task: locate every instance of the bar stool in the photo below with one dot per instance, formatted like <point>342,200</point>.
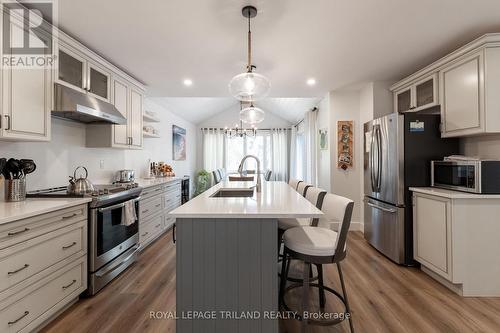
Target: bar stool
<point>315,196</point>
<point>294,183</point>
<point>319,246</point>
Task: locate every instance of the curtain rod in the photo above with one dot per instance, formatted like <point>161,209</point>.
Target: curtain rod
<point>314,109</point>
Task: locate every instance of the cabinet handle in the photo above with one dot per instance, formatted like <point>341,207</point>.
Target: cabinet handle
<point>145,211</point>
<point>174,236</point>
<point>131,140</point>
<point>145,234</point>
<point>15,321</point>
<point>18,232</point>
<point>69,216</point>
<point>158,205</point>
<point>7,117</point>
<point>69,246</point>
<point>158,225</point>
<point>69,285</point>
<point>18,270</point>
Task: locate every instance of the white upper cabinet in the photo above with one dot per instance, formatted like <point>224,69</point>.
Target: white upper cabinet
<point>468,82</point>
<point>420,95</point>
<point>128,99</point>
<point>462,86</point>
<point>83,74</point>
<point>26,97</point>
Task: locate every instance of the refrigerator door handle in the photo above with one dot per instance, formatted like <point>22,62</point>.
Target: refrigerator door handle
<point>372,157</point>
<point>379,158</point>
<point>387,210</point>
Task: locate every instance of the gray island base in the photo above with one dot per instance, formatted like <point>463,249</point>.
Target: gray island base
<point>227,275</point>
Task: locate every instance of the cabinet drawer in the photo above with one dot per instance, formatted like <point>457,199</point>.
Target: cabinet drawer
<point>22,261</point>
<point>171,201</point>
<point>150,228</point>
<point>152,191</point>
<point>23,230</point>
<point>150,206</point>
<point>32,306</point>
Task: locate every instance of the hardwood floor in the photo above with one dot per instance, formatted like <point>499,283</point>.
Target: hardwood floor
<point>384,298</point>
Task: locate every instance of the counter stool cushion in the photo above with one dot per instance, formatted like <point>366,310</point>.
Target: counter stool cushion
<point>313,241</point>
<point>287,223</point>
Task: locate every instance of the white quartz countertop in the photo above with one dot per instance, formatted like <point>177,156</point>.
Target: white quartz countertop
<point>452,194</point>
<point>145,183</point>
<point>276,200</point>
<point>13,211</point>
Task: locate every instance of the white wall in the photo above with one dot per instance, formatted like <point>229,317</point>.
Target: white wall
<point>345,105</point>
<point>230,117</point>
<point>57,159</point>
<point>483,146</point>
<point>324,164</point>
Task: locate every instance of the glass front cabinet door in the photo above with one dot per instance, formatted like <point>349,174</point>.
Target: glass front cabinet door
<point>79,73</point>
<point>422,94</point>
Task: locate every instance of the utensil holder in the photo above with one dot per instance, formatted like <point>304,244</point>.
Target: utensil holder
<point>15,190</point>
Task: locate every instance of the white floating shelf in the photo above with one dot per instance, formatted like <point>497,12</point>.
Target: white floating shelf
<point>150,135</point>
<point>149,118</point>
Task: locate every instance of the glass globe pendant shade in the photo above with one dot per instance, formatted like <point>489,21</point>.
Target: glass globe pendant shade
<point>251,115</point>
<point>249,86</point>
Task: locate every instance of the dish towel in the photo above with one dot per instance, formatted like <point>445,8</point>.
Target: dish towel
<point>129,214</point>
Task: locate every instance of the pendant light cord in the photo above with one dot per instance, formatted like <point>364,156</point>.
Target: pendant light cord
<point>249,66</point>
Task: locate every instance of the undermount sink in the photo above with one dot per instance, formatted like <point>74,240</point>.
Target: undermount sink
<point>233,193</point>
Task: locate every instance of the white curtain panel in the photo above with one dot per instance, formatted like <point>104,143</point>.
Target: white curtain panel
<point>310,130</point>
<point>293,153</point>
<point>213,149</point>
<point>279,154</point>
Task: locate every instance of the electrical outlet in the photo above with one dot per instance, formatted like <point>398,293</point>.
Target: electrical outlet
<point>101,164</point>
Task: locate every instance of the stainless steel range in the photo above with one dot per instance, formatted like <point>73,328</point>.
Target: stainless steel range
<point>113,243</point>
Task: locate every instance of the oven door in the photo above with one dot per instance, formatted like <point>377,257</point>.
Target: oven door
<point>109,235</point>
<point>461,176</point>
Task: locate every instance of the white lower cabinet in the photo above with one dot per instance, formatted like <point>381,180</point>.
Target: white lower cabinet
<point>432,233</point>
<point>43,267</point>
<point>456,240</point>
<point>154,206</point>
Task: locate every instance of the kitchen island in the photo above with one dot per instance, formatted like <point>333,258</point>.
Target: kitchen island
<point>227,256</point>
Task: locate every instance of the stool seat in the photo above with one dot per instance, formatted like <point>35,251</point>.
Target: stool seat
<point>288,223</point>
<point>313,241</point>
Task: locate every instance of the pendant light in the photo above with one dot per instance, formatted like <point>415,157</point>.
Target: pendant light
<point>249,86</point>
<point>251,115</point>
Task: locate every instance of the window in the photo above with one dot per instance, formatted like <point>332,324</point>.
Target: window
<point>237,148</point>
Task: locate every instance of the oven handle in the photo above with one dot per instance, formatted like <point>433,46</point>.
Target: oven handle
<point>123,262</point>
<point>120,205</point>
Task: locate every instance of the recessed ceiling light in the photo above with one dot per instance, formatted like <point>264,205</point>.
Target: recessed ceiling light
<point>188,82</point>
<point>311,82</point>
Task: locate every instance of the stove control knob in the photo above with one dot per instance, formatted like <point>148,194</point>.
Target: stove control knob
<point>95,193</point>
<point>101,192</point>
<point>106,191</point>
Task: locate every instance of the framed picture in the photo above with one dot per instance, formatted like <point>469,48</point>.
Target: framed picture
<point>345,143</point>
<point>178,143</point>
<point>323,139</point>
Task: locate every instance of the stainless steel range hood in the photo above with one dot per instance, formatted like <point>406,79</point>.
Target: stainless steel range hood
<point>75,105</point>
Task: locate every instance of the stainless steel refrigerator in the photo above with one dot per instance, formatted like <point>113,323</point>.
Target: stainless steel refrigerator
<point>398,149</point>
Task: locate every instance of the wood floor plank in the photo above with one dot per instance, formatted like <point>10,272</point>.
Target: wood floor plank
<point>384,298</point>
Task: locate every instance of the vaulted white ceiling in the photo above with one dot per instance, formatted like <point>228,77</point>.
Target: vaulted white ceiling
<point>198,109</point>
<point>338,42</point>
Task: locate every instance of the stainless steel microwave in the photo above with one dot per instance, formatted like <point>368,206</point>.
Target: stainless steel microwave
<point>478,176</point>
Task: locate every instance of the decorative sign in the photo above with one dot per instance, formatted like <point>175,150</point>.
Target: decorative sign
<point>178,143</point>
<point>323,139</point>
<point>417,126</point>
<point>345,138</point>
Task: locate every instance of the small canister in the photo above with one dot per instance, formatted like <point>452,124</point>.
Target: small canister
<point>15,189</point>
